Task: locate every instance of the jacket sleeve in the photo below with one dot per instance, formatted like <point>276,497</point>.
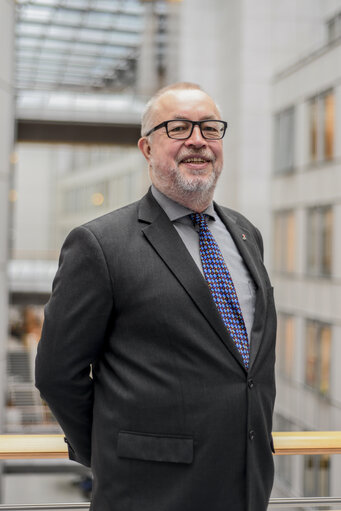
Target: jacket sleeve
<point>76,318</point>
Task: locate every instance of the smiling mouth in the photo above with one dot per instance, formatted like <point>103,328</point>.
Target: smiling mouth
<point>194,160</point>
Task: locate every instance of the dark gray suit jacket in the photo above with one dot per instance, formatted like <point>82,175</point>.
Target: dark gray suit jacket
<point>170,420</point>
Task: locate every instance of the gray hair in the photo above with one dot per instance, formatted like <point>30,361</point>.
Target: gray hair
<point>146,122</point>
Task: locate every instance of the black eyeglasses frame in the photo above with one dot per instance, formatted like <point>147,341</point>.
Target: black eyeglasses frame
<point>194,123</point>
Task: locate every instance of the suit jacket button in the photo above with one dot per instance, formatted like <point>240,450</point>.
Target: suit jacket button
<point>250,383</point>
<point>251,434</point>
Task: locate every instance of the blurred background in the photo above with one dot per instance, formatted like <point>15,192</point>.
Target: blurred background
<point>74,78</point>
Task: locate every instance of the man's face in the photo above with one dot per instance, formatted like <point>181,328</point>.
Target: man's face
<point>183,168</point>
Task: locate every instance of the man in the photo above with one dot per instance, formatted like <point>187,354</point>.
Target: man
<point>177,413</point>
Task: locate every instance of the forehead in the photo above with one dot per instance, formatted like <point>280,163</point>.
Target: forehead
<point>186,104</point>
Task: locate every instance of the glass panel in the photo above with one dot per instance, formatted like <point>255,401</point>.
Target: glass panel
<point>84,60</point>
<point>312,241</point>
<point>328,126</point>
<point>285,140</point>
<point>313,129</point>
<point>67,17</point>
<point>56,45</point>
<point>290,243</point>
<point>77,4</point>
<point>45,2</point>
<point>86,48</point>
<point>323,477</point>
<point>114,51</point>
<point>316,476</point>
<point>25,29</point>
<point>123,38</point>
<point>32,13</point>
<point>309,476</point>
<point>60,32</point>
<point>98,19</point>
<point>289,346</point>
<point>325,346</point>
<point>278,242</point>
<point>326,241</point>
<point>92,36</point>
<point>129,22</point>
<point>320,241</point>
<point>311,355</point>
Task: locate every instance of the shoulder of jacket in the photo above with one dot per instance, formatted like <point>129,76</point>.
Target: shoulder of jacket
<point>238,217</point>
<point>116,217</point>
<point>244,222</point>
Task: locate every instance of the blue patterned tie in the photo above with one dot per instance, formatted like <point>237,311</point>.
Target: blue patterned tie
<point>221,286</point>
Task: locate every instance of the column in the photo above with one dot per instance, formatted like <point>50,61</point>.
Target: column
<point>6,143</point>
<point>147,75</point>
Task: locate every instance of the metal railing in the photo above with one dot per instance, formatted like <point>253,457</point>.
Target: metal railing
<point>54,447</point>
<point>274,503</point>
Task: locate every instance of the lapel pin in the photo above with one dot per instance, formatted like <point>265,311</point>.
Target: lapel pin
<point>244,237</point>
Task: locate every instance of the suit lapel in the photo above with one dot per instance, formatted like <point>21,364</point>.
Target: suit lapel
<point>248,249</point>
<point>162,235</point>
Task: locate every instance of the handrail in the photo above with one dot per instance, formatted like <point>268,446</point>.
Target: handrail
<point>53,446</point>
<point>307,442</point>
<point>301,502</point>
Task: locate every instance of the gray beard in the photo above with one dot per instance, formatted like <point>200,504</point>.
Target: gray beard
<point>195,187</point>
<point>193,192</point>
<point>196,192</point>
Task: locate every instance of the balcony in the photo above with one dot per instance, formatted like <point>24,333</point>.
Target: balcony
<point>14,447</point>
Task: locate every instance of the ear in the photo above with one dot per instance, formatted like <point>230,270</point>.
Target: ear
<point>144,146</point>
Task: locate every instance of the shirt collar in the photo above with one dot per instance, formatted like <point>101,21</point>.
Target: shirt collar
<point>174,210</point>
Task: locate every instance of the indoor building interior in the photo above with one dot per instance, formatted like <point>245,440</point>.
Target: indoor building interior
<point>75,76</point>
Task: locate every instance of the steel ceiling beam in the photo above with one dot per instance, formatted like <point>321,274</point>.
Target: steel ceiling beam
<point>82,10</point>
<point>78,26</point>
<point>71,41</point>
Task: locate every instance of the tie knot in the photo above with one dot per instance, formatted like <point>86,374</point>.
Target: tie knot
<point>199,219</point>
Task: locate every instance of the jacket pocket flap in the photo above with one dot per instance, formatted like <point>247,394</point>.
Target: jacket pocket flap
<point>142,446</point>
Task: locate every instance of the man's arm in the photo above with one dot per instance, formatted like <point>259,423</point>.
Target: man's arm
<point>76,319</point>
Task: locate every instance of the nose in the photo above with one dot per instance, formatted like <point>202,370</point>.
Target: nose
<point>196,139</point>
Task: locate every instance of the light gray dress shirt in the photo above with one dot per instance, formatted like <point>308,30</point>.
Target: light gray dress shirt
<point>243,281</point>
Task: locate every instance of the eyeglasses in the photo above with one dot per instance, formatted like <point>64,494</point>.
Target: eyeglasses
<point>181,129</point>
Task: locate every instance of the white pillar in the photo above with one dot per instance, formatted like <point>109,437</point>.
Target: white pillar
<point>6,144</point>
<point>147,73</point>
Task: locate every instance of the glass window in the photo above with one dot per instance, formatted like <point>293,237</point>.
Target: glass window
<point>319,241</point>
<point>322,125</point>
<point>90,36</point>
<point>34,13</point>
<point>313,129</point>
<point>27,30</point>
<point>60,32</point>
<point>328,126</point>
<point>99,19</point>
<point>286,345</point>
<point>67,17</point>
<point>318,353</point>
<point>284,239</point>
<point>284,145</point>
